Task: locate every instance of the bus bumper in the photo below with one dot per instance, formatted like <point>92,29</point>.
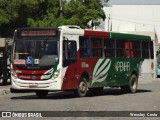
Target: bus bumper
<point>32,86</point>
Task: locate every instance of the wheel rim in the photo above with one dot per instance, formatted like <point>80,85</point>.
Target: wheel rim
<point>82,87</point>
<point>134,83</point>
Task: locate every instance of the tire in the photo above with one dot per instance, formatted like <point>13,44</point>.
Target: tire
<point>133,84</point>
<point>82,88</point>
<point>41,94</point>
<point>132,87</point>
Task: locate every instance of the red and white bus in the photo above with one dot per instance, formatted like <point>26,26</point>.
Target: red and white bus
<point>47,59</point>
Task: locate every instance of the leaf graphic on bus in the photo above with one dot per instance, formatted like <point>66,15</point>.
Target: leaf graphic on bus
<point>48,73</point>
<point>100,71</point>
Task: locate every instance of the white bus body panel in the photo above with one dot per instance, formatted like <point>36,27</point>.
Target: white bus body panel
<point>146,74</point>
<point>51,84</point>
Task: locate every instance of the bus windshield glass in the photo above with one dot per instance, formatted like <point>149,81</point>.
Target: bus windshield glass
<point>35,52</point>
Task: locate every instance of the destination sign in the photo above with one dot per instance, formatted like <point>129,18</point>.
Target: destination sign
<point>38,32</point>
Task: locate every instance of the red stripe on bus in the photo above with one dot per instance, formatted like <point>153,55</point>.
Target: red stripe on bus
<point>95,33</point>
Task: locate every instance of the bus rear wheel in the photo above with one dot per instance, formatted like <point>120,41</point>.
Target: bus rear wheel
<point>41,94</point>
<point>132,87</point>
<point>82,88</point>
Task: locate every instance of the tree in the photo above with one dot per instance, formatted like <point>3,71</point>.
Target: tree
<point>76,12</point>
<point>15,14</point>
<point>46,13</point>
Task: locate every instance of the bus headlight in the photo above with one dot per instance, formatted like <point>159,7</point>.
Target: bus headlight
<point>56,74</point>
<point>14,74</point>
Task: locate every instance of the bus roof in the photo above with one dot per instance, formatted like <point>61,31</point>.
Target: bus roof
<point>85,32</point>
<point>129,36</point>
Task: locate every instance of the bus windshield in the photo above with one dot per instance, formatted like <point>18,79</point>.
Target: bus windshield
<point>39,52</point>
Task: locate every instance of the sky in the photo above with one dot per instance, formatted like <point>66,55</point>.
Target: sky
<point>143,2</point>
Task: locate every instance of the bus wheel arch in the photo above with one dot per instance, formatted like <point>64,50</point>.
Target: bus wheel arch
<point>85,75</point>
<point>135,73</point>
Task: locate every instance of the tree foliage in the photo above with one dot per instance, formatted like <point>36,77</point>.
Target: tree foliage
<point>46,13</point>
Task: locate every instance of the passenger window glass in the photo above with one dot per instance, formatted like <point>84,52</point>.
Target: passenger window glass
<point>109,48</point>
<point>96,47</point>
<point>135,49</point>
<point>145,49</point>
<point>85,50</point>
<point>122,48</point>
<point>69,52</point>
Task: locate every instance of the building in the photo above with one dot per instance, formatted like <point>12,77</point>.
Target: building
<point>131,18</point>
<point>136,19</point>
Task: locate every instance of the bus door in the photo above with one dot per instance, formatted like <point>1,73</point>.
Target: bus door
<point>70,69</point>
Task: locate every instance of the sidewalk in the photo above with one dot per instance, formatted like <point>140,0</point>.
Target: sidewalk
<point>5,89</point>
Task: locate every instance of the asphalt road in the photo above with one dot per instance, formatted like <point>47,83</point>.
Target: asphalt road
<point>146,99</point>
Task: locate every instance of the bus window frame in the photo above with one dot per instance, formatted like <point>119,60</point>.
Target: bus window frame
<point>122,48</point>
<point>100,47</point>
<point>145,50</point>
<point>82,49</point>
<point>105,48</point>
<point>135,49</point>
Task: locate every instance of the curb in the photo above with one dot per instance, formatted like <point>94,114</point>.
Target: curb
<point>5,91</point>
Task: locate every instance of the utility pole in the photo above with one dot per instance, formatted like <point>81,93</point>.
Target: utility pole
<point>108,22</point>
<point>61,8</point>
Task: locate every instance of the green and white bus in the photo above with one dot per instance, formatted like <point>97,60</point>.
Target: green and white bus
<point>46,60</point>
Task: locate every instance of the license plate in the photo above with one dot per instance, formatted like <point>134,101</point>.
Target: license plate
<point>33,84</point>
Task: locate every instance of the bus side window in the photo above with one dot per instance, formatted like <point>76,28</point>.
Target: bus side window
<point>122,48</point>
<point>131,49</point>
<point>126,54</point>
<point>151,50</point>
<point>96,47</point>
<point>109,48</point>
<point>69,52</point>
<point>87,42</point>
<point>131,53</point>
<point>145,49</point>
<point>135,49</point>
<point>85,50</point>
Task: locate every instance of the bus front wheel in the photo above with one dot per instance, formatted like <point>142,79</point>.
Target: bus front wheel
<point>41,94</point>
<point>132,87</point>
<point>82,88</point>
